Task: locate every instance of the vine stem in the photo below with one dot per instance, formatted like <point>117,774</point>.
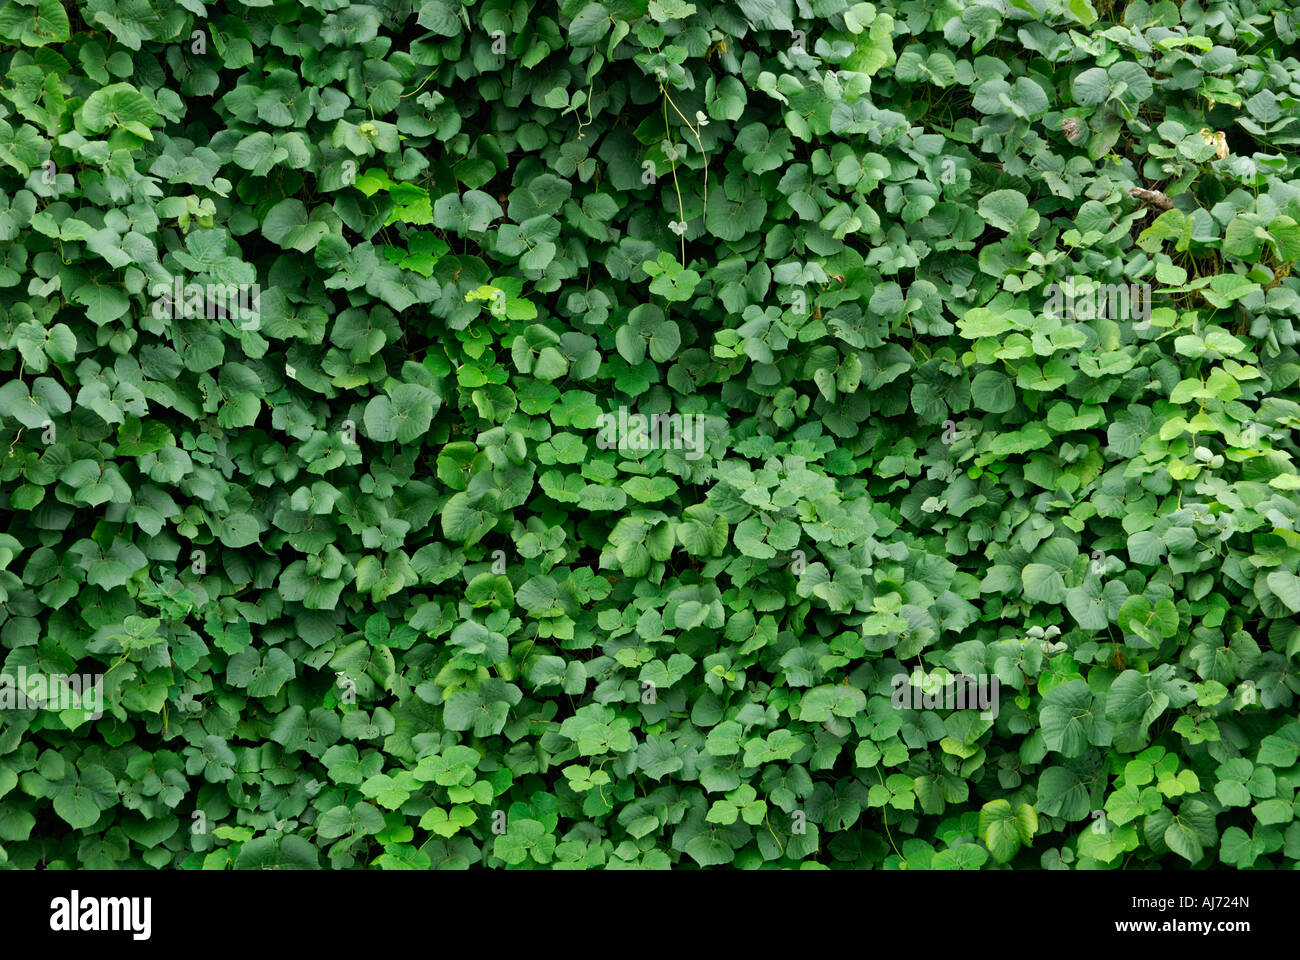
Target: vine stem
<point>768,823</point>
<point>884,816</point>
<point>590,119</point>
<point>699,143</point>
<point>681,210</point>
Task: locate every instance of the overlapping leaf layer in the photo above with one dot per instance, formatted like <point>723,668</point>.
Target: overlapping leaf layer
<point>311,314</point>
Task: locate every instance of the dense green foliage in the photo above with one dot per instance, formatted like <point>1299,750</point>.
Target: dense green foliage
<point>370,585</point>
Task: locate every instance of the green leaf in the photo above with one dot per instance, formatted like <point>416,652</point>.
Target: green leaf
<point>1043,584</point>
<point>1003,209</point>
<point>1286,587</point>
<point>589,25</point>
<point>993,392</point>
<point>1183,840</point>
<point>1003,829</point>
<point>287,224</point>
<point>118,105</point>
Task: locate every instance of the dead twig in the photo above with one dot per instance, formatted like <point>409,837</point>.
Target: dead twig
<point>1152,198</point>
